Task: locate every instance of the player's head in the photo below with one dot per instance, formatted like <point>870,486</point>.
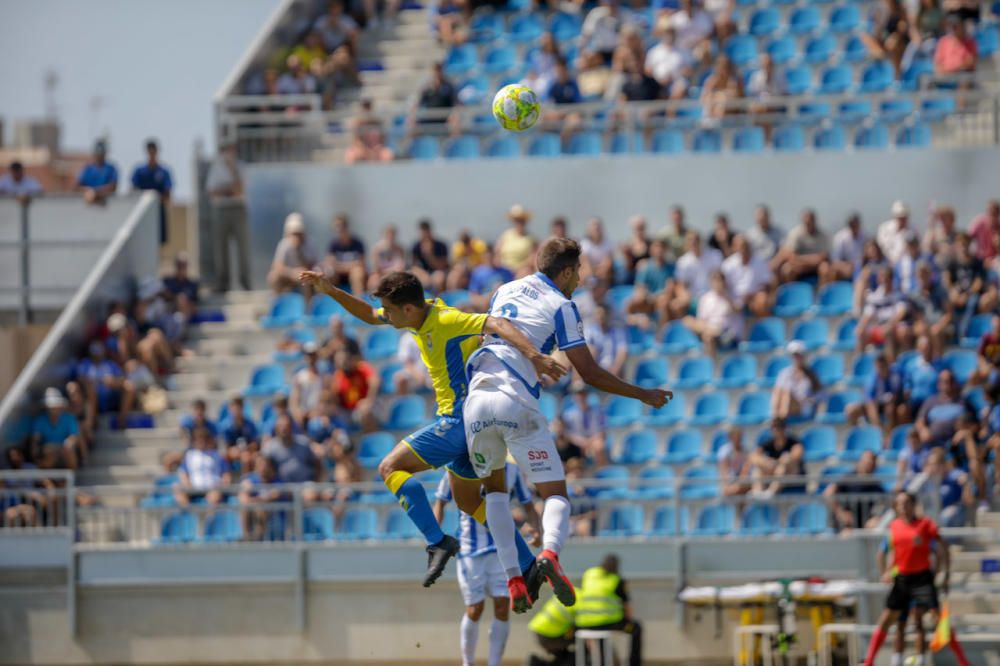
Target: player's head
<point>402,298</point>
<point>610,563</point>
<point>559,260</point>
<point>905,504</point>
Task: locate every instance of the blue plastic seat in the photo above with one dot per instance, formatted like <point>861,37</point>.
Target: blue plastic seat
<point>760,520</point>
<point>613,483</point>
<point>464,147</point>
<point>707,141</point>
<point>180,527</point>
<point>765,335</point>
<point>845,19</point>
<point>753,409</point>
<point>764,22</point>
<point>875,137</point>
<point>897,441</point>
<point>505,146</point>
<point>286,310</point>
<point>300,336</point>
<point>700,483</point>
<point>835,299</point>
<point>719,439</point>
<point>808,519</point>
<point>916,74</point>
<point>667,142</point>
<point>772,368</point>
<point>545,144</point>
<point>978,327</point>
<point>654,483</point>
<point>666,523</point>
<point>793,299</point>
<point>317,525</point>
<point>162,493</point>
<point>917,135</point>
<point>861,439</point>
<point>456,298</point>
<point>474,90</point>
<point>798,80</point>
<point>526,29</point>
<point>373,447</point>
<point>321,308</point>
<point>961,362</point>
<point>693,373</point>
<point>835,406</point>
<point>626,143</point>
<point>683,447</point>
<point>812,112</point>
<point>688,116</point>
<point>548,406</point>
<point>835,80</point>
<point>846,337</point>
<point>565,27</point>
<point>585,143</point>
<point>737,371</point>
<point>748,140</point>
<point>741,49</point>
<point>670,414</point>
<point>895,110</point>
<point>678,339</point>
<point>819,443</point>
<point>425,148</point>
<point>863,368</point>
<point>782,49</point>
<point>461,60</point>
<point>854,110</point>
<point>789,138</point>
<point>715,520</point>
<point>819,49</point>
<point>266,380</point>
<point>652,372</point>
<point>936,109</point>
<point>224,527</point>
<point>829,368</point>
<point>500,61</point>
<point>399,526</point>
<point>812,333</point>
<point>804,21</point>
<point>407,413</point>
<point>485,27</point>
<point>830,138</point>
<point>358,524</point>
<point>639,448</point>
<point>710,409</point>
<point>381,343</point>
<point>987,40</point>
<point>622,411</point>
<point>854,51</point>
<point>624,521</point>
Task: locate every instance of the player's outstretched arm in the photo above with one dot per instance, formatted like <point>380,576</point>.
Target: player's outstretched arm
<point>602,380</point>
<point>544,365</point>
<point>354,305</point>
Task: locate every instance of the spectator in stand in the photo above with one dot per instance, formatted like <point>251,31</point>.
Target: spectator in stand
<point>388,256</point>
<point>985,231</point>
<point>669,64</point>
<point>336,28</point>
<point>238,432</point>
<point>608,342</point>
<point>847,255</point>
<point>890,34</point>
<point>882,398</point>
<point>469,250</point>
<point>882,310</point>
<point>796,388</point>
<point>694,27</point>
<point>941,239</point>
<point>56,433</point>
<point>583,509</point>
<point>567,449</point>
<point>674,234</point>
<point>749,279</point>
<point>338,73</point>
<point>326,423</point>
<point>257,523</point>
<point>98,179</point>
<point>955,488</point>
<point>279,408</point>
<point>653,273</point>
<point>853,512</point>
<point>586,426</point>
<point>307,384</point>
<point>105,384</point>
<point>293,459</point>
<point>311,49</point>
<point>558,228</point>
<point>293,255</point>
<point>429,258</point>
<point>778,453</point>
<point>938,418</point>
<point>599,33</point>
<point>563,89</point>
<point>988,369</point>
<point>892,234</point>
<point>806,250</point>
<point>336,340</point>
<point>905,268</point>
<point>198,418</point>
<point>439,93</point>
<point>356,386</point>
<point>296,80</point>
<point>413,375</point>
<point>956,52</point>
<point>722,87</point>
<point>23,501</point>
<point>969,290</point>
<point>718,320</point>
<point>79,406</point>
<point>202,471</point>
<point>180,290</point>
<point>368,146</point>
<point>545,59</point>
<point>637,247</point>
<point>515,246</point>
<point>926,27</point>
<point>919,378</point>
<point>969,453</point>
<point>765,239</point>
<point>929,311</point>
<point>229,216</point>
<point>345,258</point>
<point>18,185</point>
<point>767,81</point>
<point>912,459</point>
<point>637,85</point>
<point>734,465</point>
<point>154,176</point>
<point>691,278</point>
<point>597,253</point>
<point>485,279</point>
<point>722,235</point>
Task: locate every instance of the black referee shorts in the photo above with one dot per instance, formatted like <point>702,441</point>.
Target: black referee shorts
<point>913,591</point>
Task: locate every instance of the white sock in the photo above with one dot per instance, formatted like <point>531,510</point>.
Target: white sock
<point>918,660</point>
<point>501,525</point>
<point>498,641</point>
<point>896,659</point>
<point>470,636</point>
<point>555,523</point>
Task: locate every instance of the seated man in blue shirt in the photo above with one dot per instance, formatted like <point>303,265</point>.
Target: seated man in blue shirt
<point>99,178</point>
<point>180,289</point>
<point>920,377</point>
<point>107,387</point>
<point>56,433</point>
<point>485,278</point>
<point>154,176</point>
<point>880,403</point>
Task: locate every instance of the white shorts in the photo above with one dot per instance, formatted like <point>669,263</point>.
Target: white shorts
<point>480,576</point>
<point>496,423</point>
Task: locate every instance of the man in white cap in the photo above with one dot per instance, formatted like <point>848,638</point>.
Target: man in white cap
<point>795,387</point>
<point>55,433</point>
<point>293,255</point>
<point>891,235</point>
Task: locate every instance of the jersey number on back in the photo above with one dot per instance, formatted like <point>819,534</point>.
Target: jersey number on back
<point>508,311</point>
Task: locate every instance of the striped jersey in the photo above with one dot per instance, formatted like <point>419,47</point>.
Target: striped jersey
<point>475,539</point>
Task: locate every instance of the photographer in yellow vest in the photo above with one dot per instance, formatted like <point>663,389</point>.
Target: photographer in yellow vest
<point>553,626</point>
<point>602,603</point>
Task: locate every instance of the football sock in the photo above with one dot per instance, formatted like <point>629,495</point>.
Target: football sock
<point>470,636</point>
<point>896,659</point>
<point>498,641</point>
<point>555,523</point>
<point>502,528</point>
<point>524,555</point>
<point>413,499</point>
<point>878,637</point>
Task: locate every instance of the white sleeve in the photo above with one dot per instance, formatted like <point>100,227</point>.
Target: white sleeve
<point>443,491</point>
<point>569,327</point>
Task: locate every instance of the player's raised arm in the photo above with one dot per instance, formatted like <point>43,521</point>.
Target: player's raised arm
<point>544,365</point>
<point>355,306</point>
<point>596,376</point>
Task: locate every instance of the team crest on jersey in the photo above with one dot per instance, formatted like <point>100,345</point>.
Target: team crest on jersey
<point>429,340</point>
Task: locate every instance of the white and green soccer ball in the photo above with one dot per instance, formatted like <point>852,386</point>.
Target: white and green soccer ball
<point>516,107</point>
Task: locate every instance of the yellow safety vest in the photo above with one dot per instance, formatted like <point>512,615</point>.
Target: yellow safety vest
<point>596,601</point>
<point>553,621</point>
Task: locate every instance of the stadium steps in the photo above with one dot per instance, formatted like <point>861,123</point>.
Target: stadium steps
<point>112,475</point>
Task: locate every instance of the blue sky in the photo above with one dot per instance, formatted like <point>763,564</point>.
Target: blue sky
<point>155,65</point>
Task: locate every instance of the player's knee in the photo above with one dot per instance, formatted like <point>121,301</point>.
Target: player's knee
<point>386,468</point>
<point>501,609</point>
<point>475,611</point>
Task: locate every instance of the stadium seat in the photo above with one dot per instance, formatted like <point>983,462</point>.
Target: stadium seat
<point>793,299</point>
<point>845,19</point>
<point>876,77</point>
<point>895,110</point>
<point>639,341</point>
<point>917,135</point>
<point>223,527</point>
<point>987,40</point>
<point>812,333</point>
<point>875,137</point>
<point>266,380</point>
<point>665,522</point>
<point>670,414</point>
<point>886,474</point>
<point>485,27</point>
<point>846,339</point>
<point>834,299</point>
<point>565,27</point>
<point>741,49</point>
<point>622,411</point>
<point>835,406</point>
<point>321,308</point>
<point>654,483</point>
<point>381,343</point>
<point>798,80</point>
<point>710,409</point>
<point>545,144</point>
<point>748,140</point>
<point>700,482</point>
<point>753,409</point>
<point>499,61</point>
<point>764,336</point>
<point>897,441</point>
<point>737,371</point>
<point>765,22</point>
<point>667,142</point>
<point>585,143</point>
<point>835,80</point>
<point>626,143</point>
<point>399,526</point>
<point>406,413</point>
<point>694,373</point>
<point>612,483</point>
<point>771,370</point>
<point>789,138</point>
<point>961,362</point>
<point>652,372</point>
<point>179,527</point>
<point>505,147</point>
<point>683,447</point>
<point>812,112</point>
<point>286,310</point>
<point>624,521</point>
<point>373,447</point>
<point>978,327</point>
<point>854,110</point>
<point>638,448</point>
<point>861,370</point>
<point>854,51</point>
<point>760,520</point>
<point>707,141</point>
<point>474,90</point>
<point>829,368</point>
<point>714,520</point>
<point>525,29</point>
<point>831,473</point>
<point>808,519</point>
<point>425,148</point>
<point>804,21</point>
<point>936,109</point>
<point>861,439</point>
<point>830,138</point>
<point>718,440</point>
<point>358,524</point>
<point>465,147</point>
<point>819,443</point>
<point>298,335</point>
<point>819,49</point>
<point>782,49</point>
<point>461,60</point>
<point>317,525</point>
<point>678,339</point>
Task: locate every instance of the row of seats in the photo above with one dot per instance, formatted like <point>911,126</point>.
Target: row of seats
<point>717,520</point>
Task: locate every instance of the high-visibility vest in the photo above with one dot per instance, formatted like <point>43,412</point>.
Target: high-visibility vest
<point>597,603</point>
<point>553,620</point>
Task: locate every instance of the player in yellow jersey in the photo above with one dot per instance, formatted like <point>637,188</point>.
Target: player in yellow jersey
<point>446,337</point>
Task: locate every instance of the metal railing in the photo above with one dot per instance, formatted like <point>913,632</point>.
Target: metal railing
<point>36,500</point>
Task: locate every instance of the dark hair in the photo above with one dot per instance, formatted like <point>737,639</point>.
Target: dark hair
<point>16,166</point>
<point>198,403</point>
<point>151,143</point>
<point>351,347</point>
<point>610,563</point>
<point>424,224</point>
<point>400,288</point>
<point>558,254</point>
<point>201,431</point>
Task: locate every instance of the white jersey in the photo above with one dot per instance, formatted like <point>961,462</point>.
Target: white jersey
<point>475,538</point>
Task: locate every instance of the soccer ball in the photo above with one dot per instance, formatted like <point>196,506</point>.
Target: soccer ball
<point>516,107</point>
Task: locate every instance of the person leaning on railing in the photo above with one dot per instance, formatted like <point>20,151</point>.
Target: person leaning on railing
<point>18,185</point>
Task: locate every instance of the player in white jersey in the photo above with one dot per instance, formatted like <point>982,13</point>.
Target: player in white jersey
<point>502,412</point>
<point>479,571</point>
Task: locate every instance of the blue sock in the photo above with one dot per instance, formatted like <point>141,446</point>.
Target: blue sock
<point>413,499</point>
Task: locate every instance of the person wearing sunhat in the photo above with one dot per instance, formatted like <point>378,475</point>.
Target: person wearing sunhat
<point>796,387</point>
<point>516,247</point>
<point>891,234</point>
<point>55,433</point>
<point>293,255</point>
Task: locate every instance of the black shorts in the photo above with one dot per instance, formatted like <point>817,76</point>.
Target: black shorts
<point>913,591</point>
